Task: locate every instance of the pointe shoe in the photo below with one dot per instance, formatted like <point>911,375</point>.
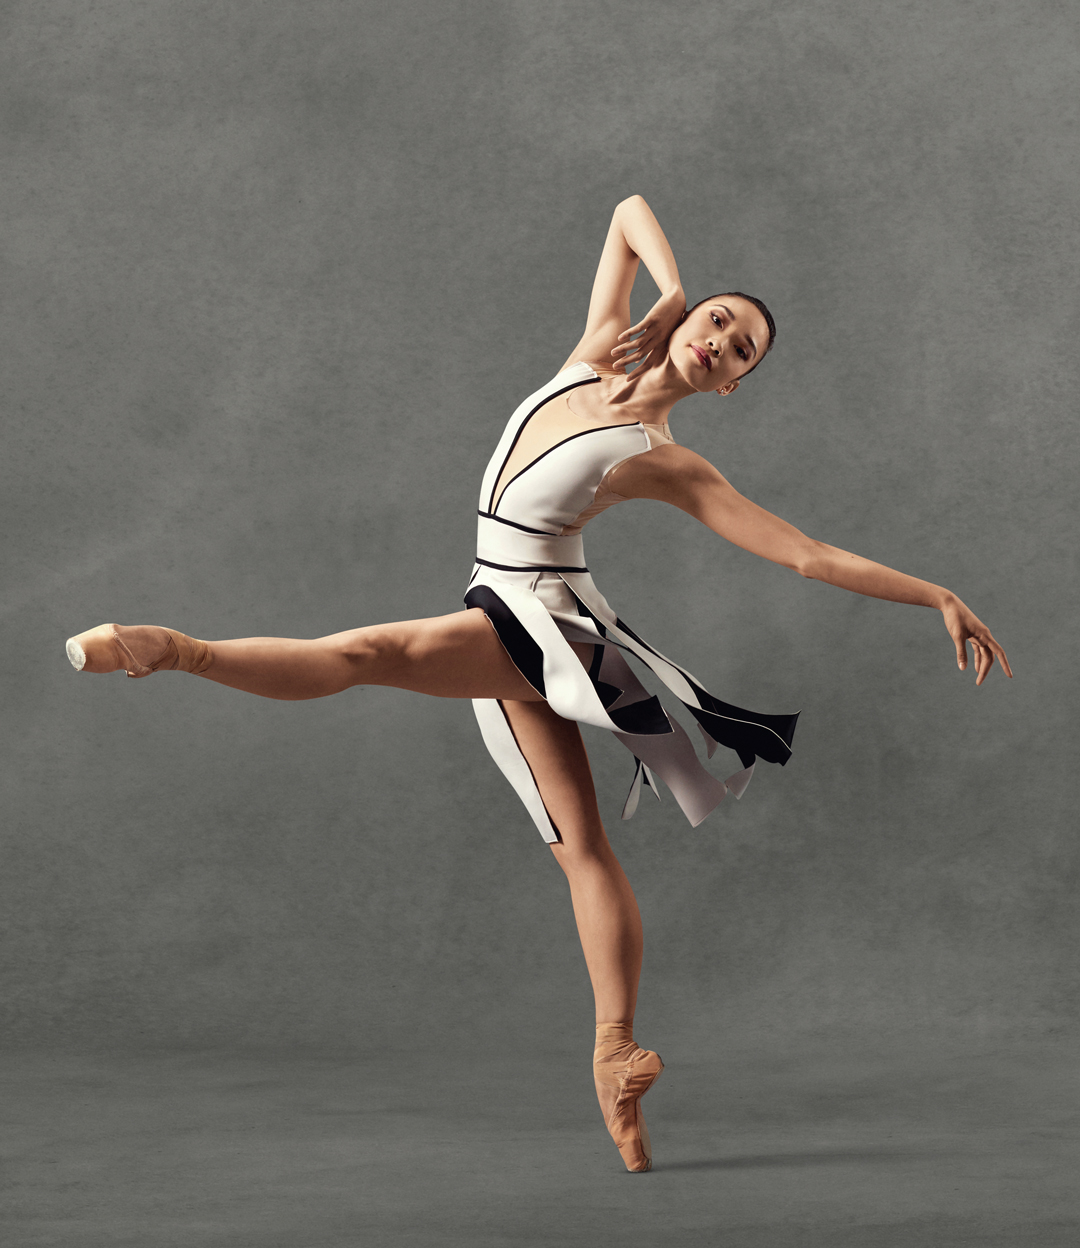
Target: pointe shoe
<point>109,648</point>
<point>623,1074</point>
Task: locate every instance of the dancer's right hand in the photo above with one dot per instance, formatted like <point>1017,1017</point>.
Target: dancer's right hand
<point>964,626</point>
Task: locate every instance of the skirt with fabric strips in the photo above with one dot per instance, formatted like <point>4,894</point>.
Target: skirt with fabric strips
<point>538,594</point>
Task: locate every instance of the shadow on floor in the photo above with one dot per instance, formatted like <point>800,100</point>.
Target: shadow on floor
<point>820,1157</point>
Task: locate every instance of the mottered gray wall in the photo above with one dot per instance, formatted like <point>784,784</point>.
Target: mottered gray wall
<point>275,275</point>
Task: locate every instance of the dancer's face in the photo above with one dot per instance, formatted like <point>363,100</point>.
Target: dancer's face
<point>718,342</point>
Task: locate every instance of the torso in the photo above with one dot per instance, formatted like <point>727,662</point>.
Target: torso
<point>584,409</point>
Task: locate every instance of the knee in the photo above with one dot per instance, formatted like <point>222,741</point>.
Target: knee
<point>582,855</point>
<point>374,654</point>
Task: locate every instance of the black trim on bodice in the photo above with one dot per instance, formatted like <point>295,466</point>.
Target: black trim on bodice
<point>533,567</point>
<point>517,436</point>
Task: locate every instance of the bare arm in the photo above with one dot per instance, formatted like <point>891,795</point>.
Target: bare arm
<point>633,236</point>
<point>676,475</point>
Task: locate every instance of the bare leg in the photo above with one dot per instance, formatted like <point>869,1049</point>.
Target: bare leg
<point>605,908</point>
<point>608,920</point>
<point>449,656</point>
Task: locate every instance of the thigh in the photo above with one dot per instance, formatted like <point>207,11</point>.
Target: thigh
<point>555,752</point>
<point>449,656</point>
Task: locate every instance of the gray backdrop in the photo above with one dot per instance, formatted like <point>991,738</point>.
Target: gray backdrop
<point>274,276</point>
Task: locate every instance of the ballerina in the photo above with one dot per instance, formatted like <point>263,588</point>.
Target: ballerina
<point>538,648</point>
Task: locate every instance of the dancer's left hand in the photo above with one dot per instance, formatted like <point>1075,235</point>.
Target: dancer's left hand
<point>652,331</point>
<point>964,626</point>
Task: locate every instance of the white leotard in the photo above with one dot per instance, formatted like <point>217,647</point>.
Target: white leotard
<point>551,473</point>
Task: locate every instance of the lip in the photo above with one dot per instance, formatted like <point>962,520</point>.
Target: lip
<point>702,357</point>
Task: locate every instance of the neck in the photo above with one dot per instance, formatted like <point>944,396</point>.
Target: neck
<point>651,390</point>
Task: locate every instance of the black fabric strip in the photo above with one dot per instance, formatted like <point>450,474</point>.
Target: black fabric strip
<point>624,627</point>
<point>642,719</point>
<point>747,732</point>
<point>523,527</point>
<point>606,693</point>
<point>533,567</point>
<point>525,654</point>
<point>521,429</point>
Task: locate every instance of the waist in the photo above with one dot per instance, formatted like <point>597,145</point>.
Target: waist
<point>506,546</point>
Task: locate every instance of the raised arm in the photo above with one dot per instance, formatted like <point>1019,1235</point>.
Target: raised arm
<point>633,236</point>
<point>676,475</point>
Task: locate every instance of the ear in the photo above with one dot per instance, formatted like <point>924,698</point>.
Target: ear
<point>728,388</point>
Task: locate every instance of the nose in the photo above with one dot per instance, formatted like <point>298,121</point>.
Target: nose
<point>715,346</point>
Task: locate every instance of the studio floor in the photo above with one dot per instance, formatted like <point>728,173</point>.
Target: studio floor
<point>827,1142</point>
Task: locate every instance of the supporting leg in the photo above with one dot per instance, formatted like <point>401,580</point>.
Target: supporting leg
<point>608,920</point>
<point>605,908</point>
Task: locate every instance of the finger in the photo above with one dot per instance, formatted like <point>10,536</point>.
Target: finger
<point>983,659</point>
<point>635,352</point>
<point>629,345</point>
<point>1001,655</point>
<point>642,351</point>
<point>635,329</point>
<point>624,366</point>
<point>961,655</point>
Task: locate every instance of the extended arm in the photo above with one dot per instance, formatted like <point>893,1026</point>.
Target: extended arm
<point>633,236</point>
<point>674,474</point>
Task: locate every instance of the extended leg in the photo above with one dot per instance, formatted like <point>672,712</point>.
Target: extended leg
<point>450,656</point>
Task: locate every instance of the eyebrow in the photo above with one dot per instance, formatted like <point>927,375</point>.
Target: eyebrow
<point>733,319</point>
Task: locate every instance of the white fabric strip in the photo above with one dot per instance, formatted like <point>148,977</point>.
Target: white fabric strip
<point>502,543</point>
<point>672,755</point>
<point>504,749</point>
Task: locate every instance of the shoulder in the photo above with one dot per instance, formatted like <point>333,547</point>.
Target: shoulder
<point>666,473</point>
<point>602,368</point>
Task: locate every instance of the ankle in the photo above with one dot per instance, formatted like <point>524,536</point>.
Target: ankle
<point>195,655</point>
<point>614,1040</point>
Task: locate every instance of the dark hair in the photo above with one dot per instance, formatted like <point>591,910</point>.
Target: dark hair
<point>760,307</point>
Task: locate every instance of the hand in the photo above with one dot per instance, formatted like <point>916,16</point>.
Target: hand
<point>964,626</point>
<point>651,332</point>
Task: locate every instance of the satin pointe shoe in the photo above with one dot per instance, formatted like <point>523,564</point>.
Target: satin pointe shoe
<point>623,1074</point>
<point>138,649</point>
